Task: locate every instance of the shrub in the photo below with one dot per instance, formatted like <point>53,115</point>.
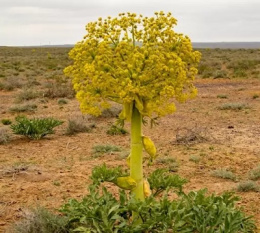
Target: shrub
<point>62,101</point>
<point>34,128</point>
<point>26,94</point>
<point>254,174</point>
<point>6,122</point>
<point>247,186</point>
<point>99,150</point>
<point>4,136</point>
<point>220,74</point>
<point>116,130</point>
<point>233,106</point>
<point>58,90</point>
<point>224,173</point>
<point>77,126</point>
<point>40,220</point>
<point>23,108</point>
<point>195,158</point>
<point>222,96</point>
<point>10,83</point>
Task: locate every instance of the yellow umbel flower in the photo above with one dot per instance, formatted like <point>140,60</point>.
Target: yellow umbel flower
<point>133,60</point>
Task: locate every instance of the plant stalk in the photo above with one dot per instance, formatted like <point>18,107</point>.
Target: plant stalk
<point>136,159</point>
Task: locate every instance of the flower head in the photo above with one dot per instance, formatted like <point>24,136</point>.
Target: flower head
<point>133,59</point>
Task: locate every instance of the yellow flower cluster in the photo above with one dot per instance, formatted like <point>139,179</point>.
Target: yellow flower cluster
<point>133,59</point>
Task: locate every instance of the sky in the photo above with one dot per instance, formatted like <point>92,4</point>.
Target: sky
<point>52,22</point>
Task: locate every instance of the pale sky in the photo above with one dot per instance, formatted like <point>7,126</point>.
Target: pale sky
<point>44,22</point>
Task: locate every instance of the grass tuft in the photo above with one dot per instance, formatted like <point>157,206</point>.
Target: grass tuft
<point>100,150</point>
<point>233,106</point>
<point>247,186</point>
<point>40,220</point>
<point>224,173</point>
<point>254,174</point>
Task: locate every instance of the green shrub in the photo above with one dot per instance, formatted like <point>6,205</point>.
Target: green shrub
<point>62,101</point>
<point>100,211</point>
<point>40,220</point>
<point>99,150</point>
<point>34,128</point>
<point>220,74</point>
<point>116,130</point>
<point>222,96</point>
<point>6,122</point>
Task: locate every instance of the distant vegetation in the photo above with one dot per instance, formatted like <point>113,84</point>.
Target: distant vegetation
<point>46,71</point>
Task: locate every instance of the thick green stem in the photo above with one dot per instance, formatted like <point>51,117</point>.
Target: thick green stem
<point>136,159</point>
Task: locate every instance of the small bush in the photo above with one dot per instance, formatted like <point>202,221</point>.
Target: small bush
<point>23,108</point>
<point>6,122</point>
<point>34,128</point>
<point>115,130</point>
<point>195,158</point>
<point>254,174</point>
<point>188,136</point>
<point>165,160</point>
<point>4,136</point>
<point>40,220</point>
<point>59,90</point>
<point>77,126</point>
<point>111,112</point>
<point>169,162</point>
<point>10,83</point>
<point>247,186</point>
<point>224,173</point>
<point>233,106</point>
<point>25,95</point>
<point>220,74</point>
<point>62,101</point>
<point>99,150</point>
<point>222,96</point>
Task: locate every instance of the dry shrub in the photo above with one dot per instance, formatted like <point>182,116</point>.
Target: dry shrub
<point>59,90</point>
<point>40,220</point>
<point>188,136</point>
<point>10,83</point>
<point>4,136</point>
<point>78,125</point>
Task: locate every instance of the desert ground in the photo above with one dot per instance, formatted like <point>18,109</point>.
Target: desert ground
<point>212,140</point>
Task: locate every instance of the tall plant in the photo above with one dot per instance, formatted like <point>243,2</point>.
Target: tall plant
<point>141,63</point>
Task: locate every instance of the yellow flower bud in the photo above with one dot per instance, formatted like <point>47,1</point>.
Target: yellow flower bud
<point>126,182</point>
<point>147,189</point>
<point>149,146</point>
